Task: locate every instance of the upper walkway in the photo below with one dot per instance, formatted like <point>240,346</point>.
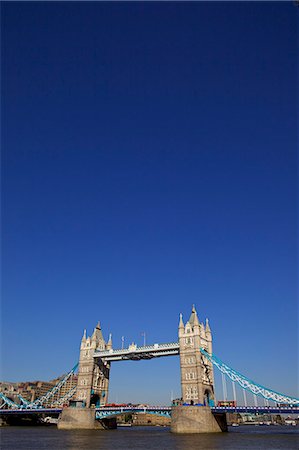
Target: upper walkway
<point>136,353</point>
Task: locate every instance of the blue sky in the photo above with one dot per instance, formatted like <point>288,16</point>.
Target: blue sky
<point>149,163</point>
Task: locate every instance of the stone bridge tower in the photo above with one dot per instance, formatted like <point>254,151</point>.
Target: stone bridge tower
<point>197,377</point>
<point>93,375</point>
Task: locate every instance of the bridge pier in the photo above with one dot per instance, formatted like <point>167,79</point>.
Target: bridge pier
<point>196,419</point>
<point>83,419</point>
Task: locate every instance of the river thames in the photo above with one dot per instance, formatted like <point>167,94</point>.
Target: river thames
<point>244,437</point>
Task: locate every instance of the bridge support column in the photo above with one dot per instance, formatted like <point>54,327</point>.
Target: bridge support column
<point>83,419</point>
<point>197,378</point>
<point>197,419</point>
<point>93,376</point>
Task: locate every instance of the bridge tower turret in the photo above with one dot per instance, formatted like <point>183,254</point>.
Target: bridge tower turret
<point>93,375</point>
<point>197,379</point>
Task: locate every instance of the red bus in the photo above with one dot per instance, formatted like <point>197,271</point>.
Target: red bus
<point>229,403</point>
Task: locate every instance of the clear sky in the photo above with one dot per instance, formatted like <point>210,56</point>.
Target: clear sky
<point>149,163</point>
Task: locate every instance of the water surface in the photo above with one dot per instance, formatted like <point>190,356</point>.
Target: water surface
<point>154,438</point>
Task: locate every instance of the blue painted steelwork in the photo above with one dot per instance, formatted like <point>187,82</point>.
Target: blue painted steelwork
<point>7,401</point>
<point>248,384</point>
<point>23,400</point>
<point>65,398</point>
<point>55,389</point>
<point>104,412</point>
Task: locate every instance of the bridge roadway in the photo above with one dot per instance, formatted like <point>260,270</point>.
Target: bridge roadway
<point>106,411</point>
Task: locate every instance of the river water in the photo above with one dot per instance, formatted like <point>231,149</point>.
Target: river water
<point>153,438</point>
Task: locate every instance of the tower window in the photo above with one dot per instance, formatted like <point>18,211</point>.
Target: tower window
<point>191,393</point>
<point>190,376</point>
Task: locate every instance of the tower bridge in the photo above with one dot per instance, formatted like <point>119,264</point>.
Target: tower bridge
<point>197,411</point>
<point>197,378</point>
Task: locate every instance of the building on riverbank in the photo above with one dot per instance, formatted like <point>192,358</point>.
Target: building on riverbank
<point>32,390</point>
<point>144,419</point>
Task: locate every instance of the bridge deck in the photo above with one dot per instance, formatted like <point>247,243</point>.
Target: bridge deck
<point>227,409</point>
<point>162,409</point>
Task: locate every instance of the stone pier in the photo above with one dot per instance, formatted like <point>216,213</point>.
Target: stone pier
<point>197,419</point>
<point>83,419</point>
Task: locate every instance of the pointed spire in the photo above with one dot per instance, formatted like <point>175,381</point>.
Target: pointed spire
<point>181,323</point>
<point>195,322</point>
<point>208,329</point>
<point>109,343</point>
<point>94,335</point>
<point>84,336</point>
<point>97,334</point>
<point>193,316</point>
